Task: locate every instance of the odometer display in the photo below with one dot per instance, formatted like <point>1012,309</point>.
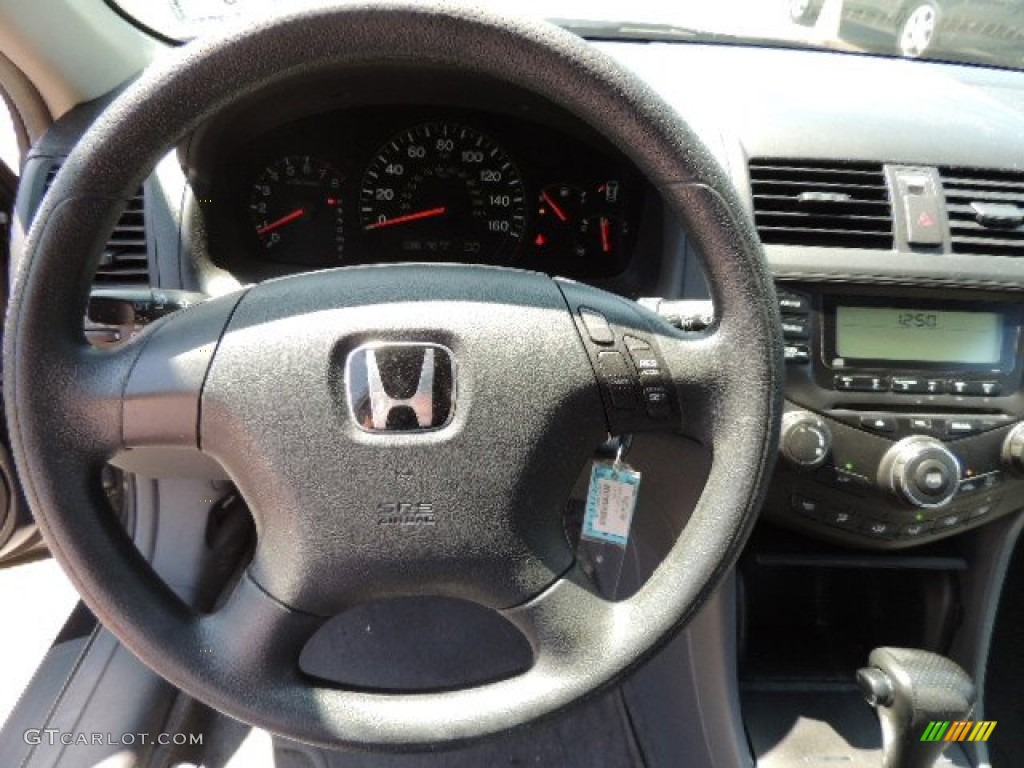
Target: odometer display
<point>443,192</point>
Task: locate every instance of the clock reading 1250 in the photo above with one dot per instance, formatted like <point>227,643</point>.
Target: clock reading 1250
<point>443,192</point>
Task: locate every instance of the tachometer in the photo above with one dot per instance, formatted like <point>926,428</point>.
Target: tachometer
<point>443,192</point>
<point>295,207</point>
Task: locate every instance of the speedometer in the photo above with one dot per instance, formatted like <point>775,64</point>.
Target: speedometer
<point>443,192</point>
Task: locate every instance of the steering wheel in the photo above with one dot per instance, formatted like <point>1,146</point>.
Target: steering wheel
<point>518,378</point>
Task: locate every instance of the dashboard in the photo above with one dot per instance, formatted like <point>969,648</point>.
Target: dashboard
<point>891,221</point>
<point>430,183</point>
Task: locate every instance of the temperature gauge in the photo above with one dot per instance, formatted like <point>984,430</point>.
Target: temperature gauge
<point>582,229</point>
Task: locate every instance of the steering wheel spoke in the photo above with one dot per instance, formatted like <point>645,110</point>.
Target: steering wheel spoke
<point>162,392</point>
<point>695,367</point>
<point>272,641</point>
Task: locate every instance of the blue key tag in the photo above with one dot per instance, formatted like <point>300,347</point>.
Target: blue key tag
<point>611,499</point>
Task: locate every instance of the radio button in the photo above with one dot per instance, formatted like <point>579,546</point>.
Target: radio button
<point>909,386</point>
<point>794,327</point>
<point>793,302</point>
<point>918,424</point>
<point>878,423</point>
<point>935,386</point>
<point>982,388</point>
<point>862,383</point>
<point>959,387</point>
<point>797,353</point>
<point>960,427</point>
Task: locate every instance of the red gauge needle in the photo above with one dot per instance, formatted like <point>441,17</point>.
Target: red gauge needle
<point>606,235</point>
<point>287,219</point>
<point>562,216</point>
<point>441,211</point>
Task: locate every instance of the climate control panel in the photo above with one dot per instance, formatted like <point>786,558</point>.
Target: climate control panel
<point>875,491</point>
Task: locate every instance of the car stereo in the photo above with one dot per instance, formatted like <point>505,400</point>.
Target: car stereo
<point>923,346</point>
<point>904,413</point>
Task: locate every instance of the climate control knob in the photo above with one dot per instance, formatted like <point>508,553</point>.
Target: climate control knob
<point>920,471</point>
<point>1013,450</point>
<point>805,441</point>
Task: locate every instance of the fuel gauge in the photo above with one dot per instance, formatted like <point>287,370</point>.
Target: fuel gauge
<point>602,235</point>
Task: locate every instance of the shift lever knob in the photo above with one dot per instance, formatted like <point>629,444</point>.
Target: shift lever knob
<point>909,689</point>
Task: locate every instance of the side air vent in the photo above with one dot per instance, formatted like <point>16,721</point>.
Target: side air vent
<point>986,211</point>
<point>806,202</point>
<point>125,260</point>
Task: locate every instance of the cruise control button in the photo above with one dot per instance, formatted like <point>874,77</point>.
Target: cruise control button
<point>644,360</point>
<point>612,365</point>
<point>597,326</point>
<point>878,423</point>
<point>797,353</point>
<point>657,401</point>
<point>634,344</point>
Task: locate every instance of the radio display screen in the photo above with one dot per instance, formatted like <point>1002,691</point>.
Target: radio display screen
<point>908,334</point>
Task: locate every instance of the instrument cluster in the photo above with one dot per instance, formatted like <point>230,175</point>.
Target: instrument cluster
<point>395,184</point>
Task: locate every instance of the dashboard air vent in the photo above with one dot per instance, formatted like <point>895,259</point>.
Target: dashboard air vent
<point>125,260</point>
<point>808,202</point>
<point>986,211</point>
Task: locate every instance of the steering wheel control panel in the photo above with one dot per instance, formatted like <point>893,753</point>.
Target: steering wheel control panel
<point>903,420</point>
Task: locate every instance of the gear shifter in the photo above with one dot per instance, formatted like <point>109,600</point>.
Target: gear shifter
<point>909,689</point>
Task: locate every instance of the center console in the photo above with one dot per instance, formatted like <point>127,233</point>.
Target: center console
<point>904,413</point>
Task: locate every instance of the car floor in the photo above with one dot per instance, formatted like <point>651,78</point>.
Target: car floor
<point>596,733</point>
<point>1004,701</point>
<point>37,599</point>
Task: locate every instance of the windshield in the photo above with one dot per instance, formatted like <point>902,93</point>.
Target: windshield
<point>984,32</point>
